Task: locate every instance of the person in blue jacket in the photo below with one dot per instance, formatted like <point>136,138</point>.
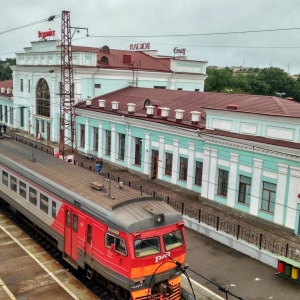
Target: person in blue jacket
<point>99,165</point>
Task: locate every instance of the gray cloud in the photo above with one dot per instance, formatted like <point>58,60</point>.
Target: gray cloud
<point>158,17</point>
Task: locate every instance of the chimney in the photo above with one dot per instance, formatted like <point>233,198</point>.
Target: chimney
<point>127,59</point>
<point>131,108</point>
<point>150,109</point>
<point>179,115</point>
<point>88,102</point>
<point>3,90</point>
<point>195,117</point>
<point>8,90</point>
<point>164,112</point>
<point>114,105</point>
<point>102,103</point>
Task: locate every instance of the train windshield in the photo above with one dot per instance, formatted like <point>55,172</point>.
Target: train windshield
<point>146,247</point>
<point>173,240</point>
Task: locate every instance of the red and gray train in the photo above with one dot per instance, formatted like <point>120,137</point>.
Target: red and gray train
<point>134,242</point>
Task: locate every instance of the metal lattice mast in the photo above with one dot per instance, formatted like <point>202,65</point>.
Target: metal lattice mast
<point>67,138</point>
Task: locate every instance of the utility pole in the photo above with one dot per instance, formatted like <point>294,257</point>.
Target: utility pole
<point>67,137</point>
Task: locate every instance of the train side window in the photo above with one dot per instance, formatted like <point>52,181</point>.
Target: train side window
<point>75,223</point>
<point>89,233</point>
<point>22,189</point>
<point>68,218</point>
<point>13,183</point>
<point>120,246</point>
<point>44,203</point>
<point>53,209</point>
<point>109,240</point>
<point>5,178</point>
<point>32,196</point>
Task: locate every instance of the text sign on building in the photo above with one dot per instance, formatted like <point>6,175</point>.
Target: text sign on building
<point>179,51</point>
<point>141,46</point>
<point>44,34</point>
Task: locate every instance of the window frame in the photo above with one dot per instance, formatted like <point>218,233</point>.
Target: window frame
<point>198,173</point>
<point>116,240</point>
<point>271,203</point>
<point>183,168</point>
<point>242,196</point>
<point>44,207</point>
<point>222,188</point>
<point>168,163</point>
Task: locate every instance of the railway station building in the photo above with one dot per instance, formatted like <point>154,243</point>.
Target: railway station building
<point>149,114</point>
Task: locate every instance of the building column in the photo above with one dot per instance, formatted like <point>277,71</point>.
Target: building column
<point>113,144</point>
<point>280,194</point>
<point>255,187</point>
<point>232,190</point>
<point>147,154</point>
<point>160,157</point>
<point>190,167</point>
<point>205,172</point>
<point>212,175</point>
<point>86,136</point>
<point>100,141</point>
<point>128,146</point>
<point>293,200</point>
<point>175,161</point>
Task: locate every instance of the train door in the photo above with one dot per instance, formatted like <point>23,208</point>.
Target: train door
<point>154,164</point>
<point>71,234</point>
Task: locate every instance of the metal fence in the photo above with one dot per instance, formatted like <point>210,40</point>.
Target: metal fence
<point>253,237</point>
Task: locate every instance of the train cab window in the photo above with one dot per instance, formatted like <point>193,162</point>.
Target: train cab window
<point>53,209</point>
<point>75,223</point>
<point>22,189</point>
<point>146,247</point>
<point>68,218</point>
<point>44,203</point>
<point>120,245</point>
<point>5,178</point>
<point>89,233</point>
<point>32,196</point>
<point>173,240</point>
<point>13,183</point>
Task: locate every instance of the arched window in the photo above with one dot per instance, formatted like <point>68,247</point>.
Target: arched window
<point>104,60</point>
<point>42,98</point>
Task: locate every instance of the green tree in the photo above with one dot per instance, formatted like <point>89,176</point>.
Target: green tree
<point>5,71</point>
<point>218,80</point>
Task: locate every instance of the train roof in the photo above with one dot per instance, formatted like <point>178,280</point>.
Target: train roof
<point>125,208</point>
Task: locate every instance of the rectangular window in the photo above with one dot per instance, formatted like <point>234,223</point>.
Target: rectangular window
<point>11,116</point>
<point>138,151</point>
<point>196,90</point>
<point>168,166</point>
<point>82,135</point>
<point>96,139</point>
<point>1,114</point>
<point>5,178</point>
<point>183,163</point>
<point>53,209</point>
<point>32,196</point>
<point>107,142</point>
<point>75,223</point>
<point>119,244</point>
<point>13,183</point>
<point>268,197</point>
<point>89,234</point>
<point>68,218</point>
<point>179,89</point>
<point>244,189</point>
<point>222,183</point>
<point>42,126</point>
<point>44,203</point>
<point>173,240</point>
<point>146,247</point>
<point>28,85</point>
<point>160,87</point>
<point>5,114</point>
<point>198,173</point>
<point>121,152</point>
<point>21,85</point>
<point>22,117</point>
<point>97,86</point>
<point>22,189</point>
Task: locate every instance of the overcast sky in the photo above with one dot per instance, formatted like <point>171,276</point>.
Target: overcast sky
<point>168,17</point>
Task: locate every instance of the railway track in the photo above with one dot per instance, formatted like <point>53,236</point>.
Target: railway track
<point>99,289</point>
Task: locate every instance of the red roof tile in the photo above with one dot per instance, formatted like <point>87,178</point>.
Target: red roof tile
<point>6,84</point>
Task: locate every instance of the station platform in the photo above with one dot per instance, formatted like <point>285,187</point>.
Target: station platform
<point>28,272</point>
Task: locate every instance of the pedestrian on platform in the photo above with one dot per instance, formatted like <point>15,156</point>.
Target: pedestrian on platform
<point>99,165</point>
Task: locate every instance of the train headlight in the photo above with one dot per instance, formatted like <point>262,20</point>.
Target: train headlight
<point>159,219</point>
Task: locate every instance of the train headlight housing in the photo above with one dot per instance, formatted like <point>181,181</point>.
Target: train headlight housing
<point>159,219</point>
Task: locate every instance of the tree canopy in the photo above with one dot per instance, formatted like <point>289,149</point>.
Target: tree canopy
<point>267,81</point>
<point>5,71</point>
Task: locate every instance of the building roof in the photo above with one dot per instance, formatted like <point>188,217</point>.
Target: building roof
<point>6,84</point>
<point>199,101</point>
